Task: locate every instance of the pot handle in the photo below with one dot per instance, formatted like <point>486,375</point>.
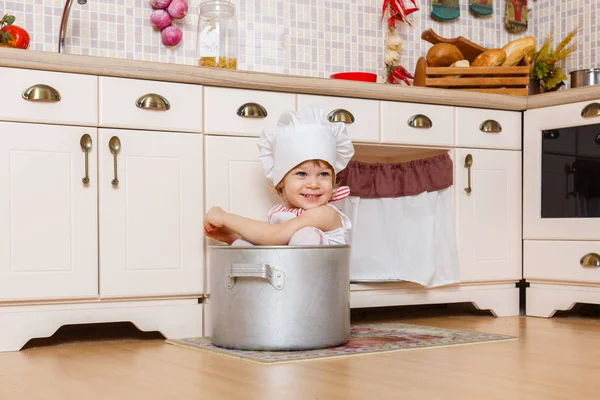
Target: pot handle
<point>264,271</point>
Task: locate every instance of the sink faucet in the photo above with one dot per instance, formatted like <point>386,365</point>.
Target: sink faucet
<point>63,24</point>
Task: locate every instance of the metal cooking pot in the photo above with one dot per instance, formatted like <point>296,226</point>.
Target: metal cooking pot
<point>280,297</point>
<point>585,77</point>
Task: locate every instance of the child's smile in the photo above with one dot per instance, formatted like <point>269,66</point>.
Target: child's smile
<point>309,185</point>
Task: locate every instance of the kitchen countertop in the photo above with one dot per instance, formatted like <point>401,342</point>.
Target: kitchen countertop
<point>101,66</point>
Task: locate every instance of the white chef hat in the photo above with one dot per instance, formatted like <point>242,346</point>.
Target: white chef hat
<point>301,136</point>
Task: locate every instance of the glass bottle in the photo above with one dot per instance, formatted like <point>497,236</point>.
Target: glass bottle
<point>216,44</point>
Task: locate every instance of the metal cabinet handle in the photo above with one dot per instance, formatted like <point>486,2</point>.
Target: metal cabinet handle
<point>490,126</point>
<point>341,115</point>
<point>468,164</point>
<point>251,110</point>
<point>590,260</point>
<point>591,110</point>
<point>153,101</point>
<point>86,145</point>
<point>264,271</point>
<point>41,93</point>
<point>114,144</point>
<point>420,121</point>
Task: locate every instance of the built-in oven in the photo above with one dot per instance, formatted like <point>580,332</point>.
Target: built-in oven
<point>561,172</point>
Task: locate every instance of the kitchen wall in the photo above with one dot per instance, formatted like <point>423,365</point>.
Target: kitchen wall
<point>299,37</point>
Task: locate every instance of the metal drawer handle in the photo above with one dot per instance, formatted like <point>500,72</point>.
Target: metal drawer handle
<point>591,110</point>
<point>341,115</point>
<point>263,271</point>
<point>590,260</point>
<point>42,93</point>
<point>420,121</point>
<point>114,144</point>
<point>490,126</point>
<point>252,110</point>
<point>153,101</point>
<point>468,164</point>
<point>86,145</point>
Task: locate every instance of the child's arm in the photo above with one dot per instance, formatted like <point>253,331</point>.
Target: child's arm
<point>221,234</point>
<point>266,234</point>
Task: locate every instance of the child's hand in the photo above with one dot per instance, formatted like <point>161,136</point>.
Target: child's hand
<point>214,218</point>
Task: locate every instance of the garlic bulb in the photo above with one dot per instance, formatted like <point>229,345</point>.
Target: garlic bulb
<point>390,57</point>
<point>394,42</point>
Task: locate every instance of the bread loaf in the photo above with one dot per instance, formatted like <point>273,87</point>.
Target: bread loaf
<point>443,55</point>
<point>460,64</point>
<point>489,58</point>
<point>517,49</point>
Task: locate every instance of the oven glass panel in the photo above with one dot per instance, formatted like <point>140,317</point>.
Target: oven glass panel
<point>571,172</point>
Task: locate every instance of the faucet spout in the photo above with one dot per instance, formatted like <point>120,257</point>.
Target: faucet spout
<point>64,22</point>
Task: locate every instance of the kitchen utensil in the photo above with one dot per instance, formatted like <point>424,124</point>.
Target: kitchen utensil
<point>515,16</point>
<point>446,10</point>
<point>585,77</point>
<point>481,7</point>
<point>469,49</point>
<point>279,297</point>
<point>356,76</point>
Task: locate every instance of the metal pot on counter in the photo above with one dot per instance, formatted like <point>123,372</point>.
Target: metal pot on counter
<point>585,77</point>
<point>280,297</point>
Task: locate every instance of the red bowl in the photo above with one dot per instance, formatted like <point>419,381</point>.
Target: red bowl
<point>356,76</point>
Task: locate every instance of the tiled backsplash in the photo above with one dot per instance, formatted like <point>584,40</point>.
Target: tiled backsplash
<point>300,37</point>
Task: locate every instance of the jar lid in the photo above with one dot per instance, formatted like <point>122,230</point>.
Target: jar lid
<point>216,8</point>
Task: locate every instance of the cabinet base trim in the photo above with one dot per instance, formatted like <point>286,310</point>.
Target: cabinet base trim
<point>172,318</point>
<point>544,300</point>
<point>501,299</point>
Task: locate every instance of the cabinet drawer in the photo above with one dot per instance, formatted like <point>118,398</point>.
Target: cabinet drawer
<point>559,261</point>
<point>365,113</point>
<point>437,124</point>
<point>488,128</point>
<point>142,104</point>
<point>222,105</point>
<point>77,104</point>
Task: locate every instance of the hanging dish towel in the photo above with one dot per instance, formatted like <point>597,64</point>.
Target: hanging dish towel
<point>403,222</point>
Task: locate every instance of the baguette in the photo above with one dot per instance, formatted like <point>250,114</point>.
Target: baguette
<point>517,49</point>
<point>489,58</point>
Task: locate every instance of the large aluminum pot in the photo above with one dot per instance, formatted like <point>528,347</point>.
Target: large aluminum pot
<point>585,77</point>
<point>280,297</point>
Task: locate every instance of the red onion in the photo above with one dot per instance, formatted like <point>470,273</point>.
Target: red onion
<point>178,9</point>
<point>160,19</point>
<point>171,35</point>
<point>160,3</point>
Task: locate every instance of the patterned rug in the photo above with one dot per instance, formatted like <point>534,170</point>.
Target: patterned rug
<point>364,339</point>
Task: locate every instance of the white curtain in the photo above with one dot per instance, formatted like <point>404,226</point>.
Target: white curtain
<point>409,238</point>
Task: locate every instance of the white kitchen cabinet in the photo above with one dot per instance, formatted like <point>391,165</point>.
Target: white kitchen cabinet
<point>151,219</point>
<point>235,180</point>
<point>488,218</point>
<point>363,125</point>
<point>48,216</point>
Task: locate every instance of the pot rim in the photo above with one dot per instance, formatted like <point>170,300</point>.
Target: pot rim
<point>586,70</point>
<point>286,247</point>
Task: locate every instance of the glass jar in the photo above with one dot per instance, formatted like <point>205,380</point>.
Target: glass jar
<point>217,34</point>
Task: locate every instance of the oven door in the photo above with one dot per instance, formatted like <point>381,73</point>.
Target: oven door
<point>561,173</point>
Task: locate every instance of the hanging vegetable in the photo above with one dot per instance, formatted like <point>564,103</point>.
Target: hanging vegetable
<point>396,11</point>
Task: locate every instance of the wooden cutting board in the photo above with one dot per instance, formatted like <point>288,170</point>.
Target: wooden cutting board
<point>469,49</point>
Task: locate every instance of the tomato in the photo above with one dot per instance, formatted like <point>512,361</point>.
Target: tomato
<point>18,36</point>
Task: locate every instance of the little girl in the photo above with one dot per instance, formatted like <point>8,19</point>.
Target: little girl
<point>300,158</point>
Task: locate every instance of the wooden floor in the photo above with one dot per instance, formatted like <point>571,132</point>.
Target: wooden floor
<point>556,358</point>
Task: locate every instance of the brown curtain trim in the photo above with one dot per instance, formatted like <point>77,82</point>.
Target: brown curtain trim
<point>372,181</point>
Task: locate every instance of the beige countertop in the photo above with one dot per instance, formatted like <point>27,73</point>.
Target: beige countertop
<point>281,83</point>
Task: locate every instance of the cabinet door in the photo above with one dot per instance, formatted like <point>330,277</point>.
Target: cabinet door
<point>151,221</point>
<point>488,219</point>
<point>235,179</point>
<point>48,216</point>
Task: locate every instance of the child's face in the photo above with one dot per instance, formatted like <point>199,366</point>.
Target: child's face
<point>309,185</point>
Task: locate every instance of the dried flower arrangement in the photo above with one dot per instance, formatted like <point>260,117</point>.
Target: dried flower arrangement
<point>543,64</point>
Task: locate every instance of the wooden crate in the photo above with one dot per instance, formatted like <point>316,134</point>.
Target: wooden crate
<point>512,81</point>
